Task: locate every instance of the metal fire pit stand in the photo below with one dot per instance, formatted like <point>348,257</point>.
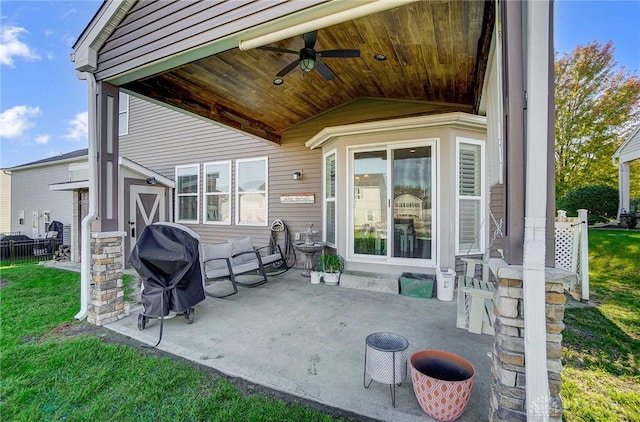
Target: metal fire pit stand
<point>385,360</point>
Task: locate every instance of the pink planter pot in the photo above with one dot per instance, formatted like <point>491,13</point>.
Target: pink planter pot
<point>442,383</point>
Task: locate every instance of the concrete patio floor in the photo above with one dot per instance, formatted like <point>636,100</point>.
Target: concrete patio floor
<point>309,341</point>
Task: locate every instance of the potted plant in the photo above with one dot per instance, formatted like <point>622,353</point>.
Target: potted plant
<point>331,265</point>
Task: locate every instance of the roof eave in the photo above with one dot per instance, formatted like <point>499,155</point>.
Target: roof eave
<point>97,32</point>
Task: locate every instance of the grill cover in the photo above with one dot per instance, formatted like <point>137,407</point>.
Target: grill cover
<point>167,258</point>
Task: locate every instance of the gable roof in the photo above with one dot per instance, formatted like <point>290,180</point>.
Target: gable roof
<point>57,159</point>
<point>629,150</point>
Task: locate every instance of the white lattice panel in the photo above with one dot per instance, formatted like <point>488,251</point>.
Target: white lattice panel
<point>564,246</point>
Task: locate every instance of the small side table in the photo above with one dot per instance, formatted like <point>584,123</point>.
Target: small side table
<point>385,360</point>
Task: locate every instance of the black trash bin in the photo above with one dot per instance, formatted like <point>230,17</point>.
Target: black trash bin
<point>167,258</point>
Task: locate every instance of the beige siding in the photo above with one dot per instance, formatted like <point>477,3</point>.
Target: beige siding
<point>5,202</point>
<point>161,139</point>
<point>153,30</point>
<point>30,192</point>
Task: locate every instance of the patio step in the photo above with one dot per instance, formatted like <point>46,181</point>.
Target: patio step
<point>373,282</point>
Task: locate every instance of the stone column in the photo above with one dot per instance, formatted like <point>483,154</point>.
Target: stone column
<point>508,397</point>
<point>106,303</point>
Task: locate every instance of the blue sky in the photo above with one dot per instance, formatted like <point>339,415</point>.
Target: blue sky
<point>43,106</point>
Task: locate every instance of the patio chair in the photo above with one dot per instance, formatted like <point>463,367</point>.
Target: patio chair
<point>225,261</point>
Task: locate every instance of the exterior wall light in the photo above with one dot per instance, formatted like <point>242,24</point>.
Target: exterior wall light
<point>297,175</point>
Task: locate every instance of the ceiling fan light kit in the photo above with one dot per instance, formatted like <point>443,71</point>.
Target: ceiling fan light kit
<point>309,58</point>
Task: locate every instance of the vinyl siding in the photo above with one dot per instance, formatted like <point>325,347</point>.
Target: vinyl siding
<point>30,192</point>
<point>154,30</point>
<point>160,139</point>
<point>5,202</point>
<point>631,151</point>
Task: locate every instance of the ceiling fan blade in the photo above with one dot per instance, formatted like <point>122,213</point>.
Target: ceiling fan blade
<point>288,68</point>
<point>324,70</point>
<point>339,53</point>
<point>310,39</point>
<point>280,50</point>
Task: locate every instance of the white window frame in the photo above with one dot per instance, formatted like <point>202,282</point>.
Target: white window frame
<point>178,194</point>
<point>326,199</point>
<point>481,199</point>
<point>206,194</point>
<point>21,217</point>
<point>265,192</point>
<point>123,114</point>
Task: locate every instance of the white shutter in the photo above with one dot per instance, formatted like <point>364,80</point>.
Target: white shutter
<point>469,197</point>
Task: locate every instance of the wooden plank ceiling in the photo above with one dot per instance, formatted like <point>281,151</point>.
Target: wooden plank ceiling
<point>436,52</point>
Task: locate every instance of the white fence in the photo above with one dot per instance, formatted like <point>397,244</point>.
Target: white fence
<point>572,248</point>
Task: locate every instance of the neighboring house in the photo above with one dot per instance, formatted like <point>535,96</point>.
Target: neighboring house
<point>627,152</point>
<point>33,205</point>
<point>57,188</point>
<point>449,102</point>
<point>5,201</point>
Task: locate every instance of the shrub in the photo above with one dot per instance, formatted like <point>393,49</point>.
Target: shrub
<point>601,202</point>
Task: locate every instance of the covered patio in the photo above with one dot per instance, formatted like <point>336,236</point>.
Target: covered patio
<point>234,63</point>
<point>309,340</point>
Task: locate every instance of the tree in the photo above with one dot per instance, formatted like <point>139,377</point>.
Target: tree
<point>601,202</point>
<point>597,107</point>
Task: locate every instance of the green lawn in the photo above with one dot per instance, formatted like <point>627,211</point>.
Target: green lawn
<point>601,374</point>
<point>52,371</point>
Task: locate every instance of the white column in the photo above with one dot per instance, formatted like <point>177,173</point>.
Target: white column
<point>623,188</point>
<point>535,333</point>
<point>584,255</point>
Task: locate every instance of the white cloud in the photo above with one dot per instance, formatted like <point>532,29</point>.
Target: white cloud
<point>14,121</point>
<point>42,139</point>
<point>78,127</point>
<point>69,12</point>
<point>11,46</point>
<point>48,32</point>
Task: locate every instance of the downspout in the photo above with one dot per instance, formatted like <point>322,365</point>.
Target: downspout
<point>534,251</point>
<point>92,157</point>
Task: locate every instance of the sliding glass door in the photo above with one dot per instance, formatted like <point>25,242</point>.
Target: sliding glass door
<point>392,201</point>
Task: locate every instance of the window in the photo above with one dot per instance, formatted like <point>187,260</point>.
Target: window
<point>21,217</point>
<point>251,192</point>
<point>217,193</point>
<point>123,114</point>
<point>47,220</point>
<point>469,204</point>
<point>329,205</point>
<point>187,193</point>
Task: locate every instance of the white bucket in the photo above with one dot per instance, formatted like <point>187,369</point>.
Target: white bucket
<point>446,282</point>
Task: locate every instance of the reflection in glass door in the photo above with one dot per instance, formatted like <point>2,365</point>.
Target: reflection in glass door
<point>412,202</point>
<point>392,216</point>
<point>370,203</point>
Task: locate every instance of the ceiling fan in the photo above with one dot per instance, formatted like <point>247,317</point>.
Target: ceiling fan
<point>309,59</point>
